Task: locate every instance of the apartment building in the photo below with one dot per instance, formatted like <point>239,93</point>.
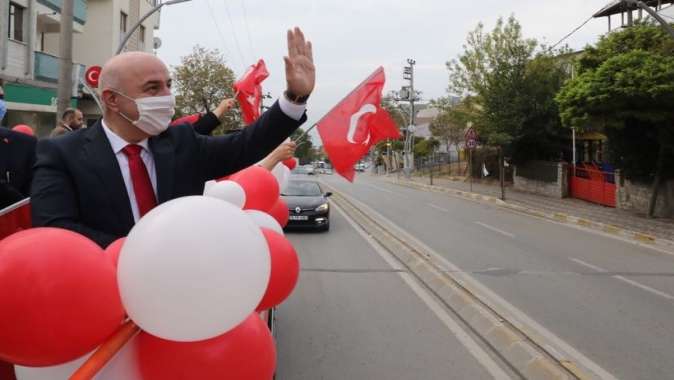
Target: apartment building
<point>29,49</point>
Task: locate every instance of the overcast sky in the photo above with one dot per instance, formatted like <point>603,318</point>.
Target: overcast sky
<point>352,38</point>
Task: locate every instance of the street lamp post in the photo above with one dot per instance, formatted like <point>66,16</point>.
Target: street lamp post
<point>148,14</point>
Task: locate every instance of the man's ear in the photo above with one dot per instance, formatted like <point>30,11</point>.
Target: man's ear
<point>110,100</point>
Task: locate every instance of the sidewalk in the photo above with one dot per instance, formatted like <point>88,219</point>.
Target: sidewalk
<point>659,228</point>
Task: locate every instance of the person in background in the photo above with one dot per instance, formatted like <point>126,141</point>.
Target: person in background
<point>72,120</point>
<point>3,105</point>
<point>17,156</point>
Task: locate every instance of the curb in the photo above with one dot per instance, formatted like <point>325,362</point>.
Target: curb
<point>634,236</point>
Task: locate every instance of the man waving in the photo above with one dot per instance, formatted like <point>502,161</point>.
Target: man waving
<point>99,181</point>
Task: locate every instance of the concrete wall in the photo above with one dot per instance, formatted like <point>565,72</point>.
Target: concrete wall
<point>558,189</point>
<point>634,197</point>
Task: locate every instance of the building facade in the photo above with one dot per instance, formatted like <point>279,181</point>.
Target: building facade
<point>30,45</point>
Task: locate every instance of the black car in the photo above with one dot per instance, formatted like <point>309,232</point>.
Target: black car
<point>307,204</point>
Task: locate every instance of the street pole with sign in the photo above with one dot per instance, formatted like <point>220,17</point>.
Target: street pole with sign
<point>471,142</point>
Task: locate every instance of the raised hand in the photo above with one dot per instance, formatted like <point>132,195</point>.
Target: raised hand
<point>300,70</point>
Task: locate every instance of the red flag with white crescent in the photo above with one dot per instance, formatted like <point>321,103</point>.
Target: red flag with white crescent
<point>355,124</point>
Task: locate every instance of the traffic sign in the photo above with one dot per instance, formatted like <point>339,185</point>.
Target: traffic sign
<point>471,138</point>
<point>91,76</point>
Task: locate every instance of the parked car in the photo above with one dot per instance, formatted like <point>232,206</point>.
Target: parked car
<point>307,204</point>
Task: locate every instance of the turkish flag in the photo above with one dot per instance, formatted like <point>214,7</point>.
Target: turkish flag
<point>355,124</point>
<point>249,91</point>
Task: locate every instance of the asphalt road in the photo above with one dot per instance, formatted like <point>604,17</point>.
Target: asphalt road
<point>609,299</point>
<point>354,315</point>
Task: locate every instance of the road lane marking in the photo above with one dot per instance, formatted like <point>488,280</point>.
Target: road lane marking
<point>625,280</point>
<point>569,355</point>
<point>508,234</point>
<point>482,357</point>
<point>379,188</point>
<point>431,205</point>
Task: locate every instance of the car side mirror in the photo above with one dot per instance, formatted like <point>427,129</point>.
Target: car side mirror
<point>328,194</point>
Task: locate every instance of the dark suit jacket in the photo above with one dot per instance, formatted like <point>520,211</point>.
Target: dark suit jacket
<point>206,124</point>
<point>17,156</point>
<point>78,184</point>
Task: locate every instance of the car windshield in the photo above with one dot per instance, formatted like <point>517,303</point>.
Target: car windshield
<point>302,189</point>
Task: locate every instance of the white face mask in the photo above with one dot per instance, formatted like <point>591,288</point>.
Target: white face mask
<point>154,113</point>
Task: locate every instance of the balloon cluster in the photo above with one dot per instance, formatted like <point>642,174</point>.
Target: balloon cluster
<point>193,274</point>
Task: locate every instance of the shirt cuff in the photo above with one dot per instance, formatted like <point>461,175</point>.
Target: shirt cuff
<point>292,110</point>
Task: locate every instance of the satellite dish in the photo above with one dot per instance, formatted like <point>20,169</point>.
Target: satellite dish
<point>157,42</point>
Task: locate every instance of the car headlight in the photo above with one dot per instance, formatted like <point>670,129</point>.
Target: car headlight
<point>322,208</point>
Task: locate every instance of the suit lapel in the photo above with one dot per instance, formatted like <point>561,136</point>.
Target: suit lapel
<point>164,162</point>
<point>98,153</point>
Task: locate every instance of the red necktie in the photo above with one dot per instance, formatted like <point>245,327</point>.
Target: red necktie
<point>140,178</point>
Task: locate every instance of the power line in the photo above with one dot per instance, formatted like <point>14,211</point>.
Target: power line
<point>236,40</point>
<point>572,33</point>
<point>217,26</point>
<point>245,22</point>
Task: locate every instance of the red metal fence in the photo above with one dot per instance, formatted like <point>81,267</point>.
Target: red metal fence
<point>589,183</point>
<point>15,218</point>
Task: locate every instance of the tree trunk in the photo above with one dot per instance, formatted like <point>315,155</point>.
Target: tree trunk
<point>657,181</point>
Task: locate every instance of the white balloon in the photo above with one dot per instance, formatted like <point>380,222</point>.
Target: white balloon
<point>208,184</point>
<point>229,191</point>
<point>282,175</point>
<point>265,220</point>
<point>184,286</point>
<point>123,366</point>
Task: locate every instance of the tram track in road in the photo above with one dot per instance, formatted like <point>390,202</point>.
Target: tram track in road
<point>522,346</point>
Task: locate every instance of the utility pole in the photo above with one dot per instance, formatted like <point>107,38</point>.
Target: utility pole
<point>65,83</point>
<point>408,74</point>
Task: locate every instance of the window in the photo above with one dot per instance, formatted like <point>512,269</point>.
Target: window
<point>15,22</point>
<point>141,38</point>
<point>122,25</point>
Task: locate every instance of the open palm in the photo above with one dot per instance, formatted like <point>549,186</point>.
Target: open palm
<point>300,70</point>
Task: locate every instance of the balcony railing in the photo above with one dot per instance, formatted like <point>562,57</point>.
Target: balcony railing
<point>79,12</point>
<point>47,68</point>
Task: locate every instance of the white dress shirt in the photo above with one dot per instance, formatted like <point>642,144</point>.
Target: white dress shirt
<point>292,110</point>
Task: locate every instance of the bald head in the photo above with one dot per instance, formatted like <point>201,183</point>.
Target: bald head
<point>129,68</point>
<point>127,77</point>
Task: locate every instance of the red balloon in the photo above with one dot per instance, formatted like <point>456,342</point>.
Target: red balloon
<point>58,294</point>
<point>113,250</point>
<point>261,187</point>
<point>189,119</point>
<point>285,270</point>
<point>23,128</point>
<point>291,163</point>
<point>246,352</point>
<point>280,212</point>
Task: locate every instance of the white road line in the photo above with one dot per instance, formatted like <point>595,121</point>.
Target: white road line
<point>516,316</point>
<point>379,188</point>
<point>431,205</point>
<point>626,280</point>
<point>508,234</point>
<point>466,340</point>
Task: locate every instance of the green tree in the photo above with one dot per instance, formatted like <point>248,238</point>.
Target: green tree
<point>424,147</point>
<point>201,81</point>
<point>512,89</point>
<point>626,85</point>
<point>305,148</point>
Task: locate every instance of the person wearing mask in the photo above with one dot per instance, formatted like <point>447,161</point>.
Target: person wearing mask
<point>3,105</point>
<point>72,120</point>
<point>101,180</point>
